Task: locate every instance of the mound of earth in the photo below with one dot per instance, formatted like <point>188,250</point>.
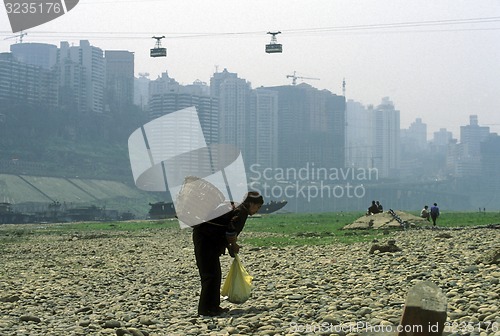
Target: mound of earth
<point>385,220</point>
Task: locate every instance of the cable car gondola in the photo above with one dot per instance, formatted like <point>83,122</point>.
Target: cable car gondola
<point>158,51</point>
<point>274,46</point>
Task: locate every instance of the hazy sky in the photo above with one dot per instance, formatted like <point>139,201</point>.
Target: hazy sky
<point>438,60</point>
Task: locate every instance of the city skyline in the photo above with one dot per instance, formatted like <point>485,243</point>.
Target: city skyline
<point>430,134</point>
<point>436,61</point>
<point>36,54</point>
<point>311,123</point>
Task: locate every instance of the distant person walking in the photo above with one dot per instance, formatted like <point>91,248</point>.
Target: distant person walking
<point>434,213</point>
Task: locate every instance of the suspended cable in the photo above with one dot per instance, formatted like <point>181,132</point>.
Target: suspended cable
<point>350,29</point>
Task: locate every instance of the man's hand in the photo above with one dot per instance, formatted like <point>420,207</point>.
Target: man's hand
<point>233,249</point>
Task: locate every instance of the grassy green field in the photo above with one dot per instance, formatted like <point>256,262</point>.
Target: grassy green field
<point>267,230</point>
<point>327,228</point>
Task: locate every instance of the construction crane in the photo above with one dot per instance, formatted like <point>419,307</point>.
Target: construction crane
<point>295,77</point>
<point>20,35</point>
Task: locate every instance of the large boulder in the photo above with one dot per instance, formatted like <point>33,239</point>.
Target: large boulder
<point>389,247</point>
<point>491,257</point>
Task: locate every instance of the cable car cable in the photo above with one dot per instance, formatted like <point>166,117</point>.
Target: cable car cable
<point>343,29</point>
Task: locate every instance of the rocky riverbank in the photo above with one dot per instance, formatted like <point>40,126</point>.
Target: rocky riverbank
<point>146,283</point>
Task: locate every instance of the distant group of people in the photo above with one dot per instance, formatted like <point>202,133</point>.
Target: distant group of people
<point>433,213</point>
<point>375,208</point>
<point>429,214</point>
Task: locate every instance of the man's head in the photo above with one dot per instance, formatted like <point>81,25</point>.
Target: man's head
<point>253,201</point>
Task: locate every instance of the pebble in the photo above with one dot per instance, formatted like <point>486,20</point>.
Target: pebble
<point>146,284</point>
<point>30,318</point>
<point>112,324</point>
<point>10,298</point>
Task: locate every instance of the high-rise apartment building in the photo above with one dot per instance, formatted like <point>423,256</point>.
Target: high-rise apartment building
<point>359,135</point>
<point>141,91</point>
<point>27,83</point>
<point>490,163</point>
<point>311,127</point>
<point>415,137</point>
<point>83,68</point>
<point>235,121</point>
<point>263,130</point>
<point>464,158</point>
<point>414,151</point>
<point>72,80</point>
<point>441,140</point>
<point>335,117</point>
<point>119,79</point>
<point>472,135</point>
<point>386,140</point>
<point>233,94</point>
<point>39,54</point>
<point>166,96</point>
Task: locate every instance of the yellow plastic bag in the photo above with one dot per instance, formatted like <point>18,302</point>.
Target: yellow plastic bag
<point>238,284</point>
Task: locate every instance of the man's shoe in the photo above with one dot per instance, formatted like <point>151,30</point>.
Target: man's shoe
<point>214,312</point>
<point>221,310</point>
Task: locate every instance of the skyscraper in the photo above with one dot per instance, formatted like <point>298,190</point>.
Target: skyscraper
<point>472,135</point>
<point>359,135</point>
<point>264,128</point>
<point>166,95</point>
<point>490,164</point>
<point>141,90</point>
<point>386,139</point>
<point>26,83</point>
<point>39,54</point>
<point>84,65</point>
<point>311,127</point>
<point>441,140</point>
<point>119,78</point>
<point>464,158</point>
<point>233,95</point>
<point>417,135</point>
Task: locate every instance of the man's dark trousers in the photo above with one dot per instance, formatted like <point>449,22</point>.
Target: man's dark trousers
<point>207,251</point>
